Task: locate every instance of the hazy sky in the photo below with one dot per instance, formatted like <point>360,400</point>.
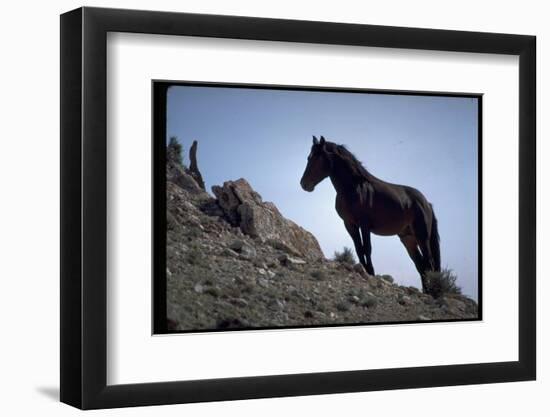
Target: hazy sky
<point>264,136</point>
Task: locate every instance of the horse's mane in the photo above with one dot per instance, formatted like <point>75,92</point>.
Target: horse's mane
<point>358,171</point>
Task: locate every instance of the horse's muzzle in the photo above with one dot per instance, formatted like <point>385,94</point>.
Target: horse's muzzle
<point>307,187</point>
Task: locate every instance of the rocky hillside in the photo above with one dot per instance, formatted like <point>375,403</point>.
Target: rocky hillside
<point>234,261</point>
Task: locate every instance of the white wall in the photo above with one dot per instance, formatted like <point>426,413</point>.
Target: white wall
<point>29,177</point>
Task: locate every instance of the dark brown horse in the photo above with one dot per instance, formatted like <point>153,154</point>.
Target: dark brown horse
<point>368,205</point>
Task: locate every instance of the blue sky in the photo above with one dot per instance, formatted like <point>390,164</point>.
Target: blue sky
<point>264,136</point>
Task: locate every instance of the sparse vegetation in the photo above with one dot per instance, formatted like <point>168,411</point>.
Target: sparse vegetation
<point>214,292</point>
<point>176,149</point>
<point>369,301</point>
<point>318,275</point>
<point>195,256</point>
<point>441,283</point>
<point>387,278</point>
<point>342,306</point>
<point>345,257</point>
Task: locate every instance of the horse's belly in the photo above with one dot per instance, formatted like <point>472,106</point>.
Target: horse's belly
<point>385,217</point>
<point>388,223</point>
<point>387,230</point>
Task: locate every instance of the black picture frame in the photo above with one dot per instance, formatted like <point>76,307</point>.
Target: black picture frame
<point>84,208</point>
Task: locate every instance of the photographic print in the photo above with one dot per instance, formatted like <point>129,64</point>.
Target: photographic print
<point>293,207</point>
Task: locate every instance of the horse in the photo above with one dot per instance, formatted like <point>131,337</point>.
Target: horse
<point>368,205</point>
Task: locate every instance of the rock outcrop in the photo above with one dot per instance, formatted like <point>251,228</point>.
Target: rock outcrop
<point>194,166</point>
<point>190,178</point>
<point>244,207</point>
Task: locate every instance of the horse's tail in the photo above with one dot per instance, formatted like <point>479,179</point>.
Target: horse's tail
<point>434,243</point>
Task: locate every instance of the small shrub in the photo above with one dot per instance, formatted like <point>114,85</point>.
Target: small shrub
<point>387,278</point>
<point>195,256</point>
<point>247,288</point>
<point>342,306</point>
<point>175,149</point>
<point>440,283</point>
<point>212,291</point>
<point>318,275</point>
<point>344,257</point>
<point>369,301</point>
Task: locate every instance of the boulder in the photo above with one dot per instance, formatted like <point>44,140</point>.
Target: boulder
<point>190,179</point>
<point>404,299</point>
<point>288,260</point>
<point>453,305</point>
<point>243,248</point>
<point>176,174</point>
<point>243,207</point>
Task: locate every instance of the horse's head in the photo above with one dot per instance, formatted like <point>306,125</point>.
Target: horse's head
<point>318,165</point>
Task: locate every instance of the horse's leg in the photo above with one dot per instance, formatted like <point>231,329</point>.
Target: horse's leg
<point>422,234</point>
<point>421,229</point>
<point>367,248</point>
<point>410,243</point>
<point>353,231</point>
<point>427,252</point>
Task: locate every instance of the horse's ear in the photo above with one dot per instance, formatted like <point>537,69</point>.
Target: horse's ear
<point>322,140</point>
<point>315,141</point>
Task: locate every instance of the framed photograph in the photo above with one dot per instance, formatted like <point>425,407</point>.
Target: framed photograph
<point>228,260</point>
<point>258,207</point>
